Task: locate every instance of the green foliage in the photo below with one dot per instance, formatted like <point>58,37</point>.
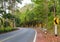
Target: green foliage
<point>6,29</point>
<point>8,19</point>
<point>17,22</point>
<point>9,16</point>
<point>41,12</point>
<point>6,23</point>
<point>38,1</point>
<point>1,30</point>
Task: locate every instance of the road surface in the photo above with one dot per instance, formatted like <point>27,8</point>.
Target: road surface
<point>22,35</point>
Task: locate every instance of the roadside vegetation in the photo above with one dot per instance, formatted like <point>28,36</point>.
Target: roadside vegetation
<point>8,19</point>
<point>40,14</point>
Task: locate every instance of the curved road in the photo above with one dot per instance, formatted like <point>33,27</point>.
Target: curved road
<point>22,35</point>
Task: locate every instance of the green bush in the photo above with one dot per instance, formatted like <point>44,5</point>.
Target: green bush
<point>6,29</point>
<point>1,30</point>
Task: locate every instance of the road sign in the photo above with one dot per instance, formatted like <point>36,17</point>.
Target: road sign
<point>56,21</point>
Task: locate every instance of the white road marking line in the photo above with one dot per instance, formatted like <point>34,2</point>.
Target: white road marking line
<point>17,35</point>
<point>11,37</point>
<point>8,38</point>
<point>35,37</point>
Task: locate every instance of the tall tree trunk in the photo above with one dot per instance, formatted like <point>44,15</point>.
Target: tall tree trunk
<point>54,8</point>
<point>46,12</point>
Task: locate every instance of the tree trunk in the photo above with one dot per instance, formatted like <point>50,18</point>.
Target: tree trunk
<point>46,12</point>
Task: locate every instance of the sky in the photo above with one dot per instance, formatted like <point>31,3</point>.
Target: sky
<point>24,2</point>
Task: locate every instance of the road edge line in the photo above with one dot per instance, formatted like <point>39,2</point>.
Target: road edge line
<point>35,37</point>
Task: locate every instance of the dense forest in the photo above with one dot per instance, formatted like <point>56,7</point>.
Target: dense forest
<point>40,13</point>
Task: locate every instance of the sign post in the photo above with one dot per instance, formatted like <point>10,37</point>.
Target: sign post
<point>56,22</point>
<point>55,30</point>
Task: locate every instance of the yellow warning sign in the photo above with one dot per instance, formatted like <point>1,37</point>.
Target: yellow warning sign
<point>56,21</point>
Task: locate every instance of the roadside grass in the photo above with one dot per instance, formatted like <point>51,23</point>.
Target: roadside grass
<point>58,29</point>
<point>7,29</point>
<point>52,30</point>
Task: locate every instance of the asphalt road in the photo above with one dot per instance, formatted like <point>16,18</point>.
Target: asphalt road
<point>22,35</point>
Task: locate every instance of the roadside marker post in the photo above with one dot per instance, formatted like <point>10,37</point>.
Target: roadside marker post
<point>56,30</point>
<point>56,22</point>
